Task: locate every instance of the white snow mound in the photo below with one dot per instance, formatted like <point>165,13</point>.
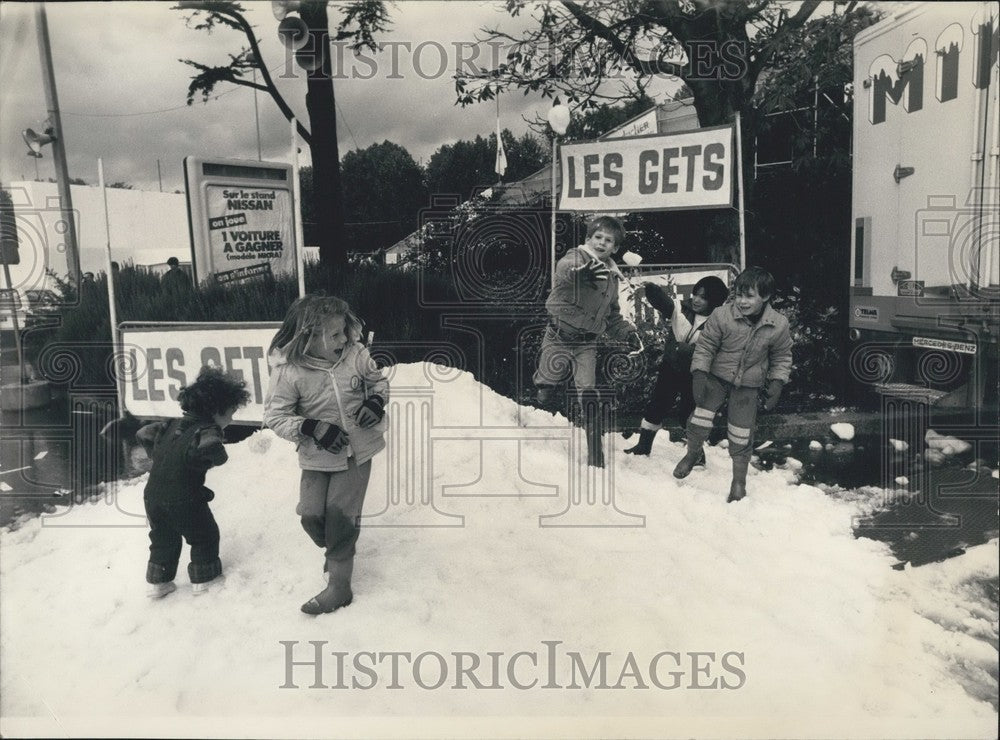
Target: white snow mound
<point>792,625</point>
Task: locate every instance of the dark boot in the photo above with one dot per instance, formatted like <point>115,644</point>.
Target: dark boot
<point>645,445</point>
<point>545,397</point>
<point>692,457</point>
<point>338,592</point>
<point>593,410</point>
<point>738,488</point>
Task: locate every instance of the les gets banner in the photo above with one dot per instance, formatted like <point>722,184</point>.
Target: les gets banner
<point>649,173</point>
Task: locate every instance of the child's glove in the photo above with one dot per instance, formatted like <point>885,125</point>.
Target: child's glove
<point>124,427</point>
<point>371,412</point>
<point>772,394</point>
<point>659,298</point>
<point>699,382</point>
<point>328,436</point>
<point>593,272</point>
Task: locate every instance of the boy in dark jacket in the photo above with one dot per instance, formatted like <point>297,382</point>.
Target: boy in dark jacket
<point>745,347</point>
<point>176,499</point>
<point>583,305</point>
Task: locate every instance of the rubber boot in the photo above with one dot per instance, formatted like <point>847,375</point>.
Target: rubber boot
<point>700,462</point>
<point>338,592</point>
<point>545,397</point>
<point>738,488</point>
<point>645,445</point>
<point>694,455</point>
<point>593,413</point>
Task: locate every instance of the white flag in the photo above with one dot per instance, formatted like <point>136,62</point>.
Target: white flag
<point>501,165</point>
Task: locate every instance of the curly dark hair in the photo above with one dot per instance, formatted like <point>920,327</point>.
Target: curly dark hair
<point>214,392</point>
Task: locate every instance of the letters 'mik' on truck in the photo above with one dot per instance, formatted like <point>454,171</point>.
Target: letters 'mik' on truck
<point>925,267</point>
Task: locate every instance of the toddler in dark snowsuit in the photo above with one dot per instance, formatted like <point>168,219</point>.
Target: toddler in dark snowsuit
<point>175,497</point>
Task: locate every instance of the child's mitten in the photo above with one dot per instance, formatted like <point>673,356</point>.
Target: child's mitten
<point>659,299</point>
<point>371,412</point>
<point>772,394</point>
<point>593,271</point>
<point>328,436</point>
<point>124,428</point>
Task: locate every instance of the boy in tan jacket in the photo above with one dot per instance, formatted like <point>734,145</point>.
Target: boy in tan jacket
<point>744,347</point>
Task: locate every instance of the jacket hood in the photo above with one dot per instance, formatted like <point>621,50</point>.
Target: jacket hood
<point>279,357</point>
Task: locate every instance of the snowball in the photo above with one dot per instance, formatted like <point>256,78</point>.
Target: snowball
<point>843,430</point>
<point>258,444</point>
<point>899,445</point>
<point>815,445</point>
<point>631,259</point>
<point>902,481</point>
<point>935,457</point>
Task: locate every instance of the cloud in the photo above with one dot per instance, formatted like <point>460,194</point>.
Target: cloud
<point>122,90</point>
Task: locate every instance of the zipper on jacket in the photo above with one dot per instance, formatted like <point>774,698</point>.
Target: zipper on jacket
<point>340,406</point>
<point>746,350</point>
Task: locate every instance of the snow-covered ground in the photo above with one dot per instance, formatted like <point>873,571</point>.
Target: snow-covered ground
<point>764,618</point>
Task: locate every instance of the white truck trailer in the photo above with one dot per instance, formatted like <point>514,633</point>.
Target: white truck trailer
<point>925,272</point>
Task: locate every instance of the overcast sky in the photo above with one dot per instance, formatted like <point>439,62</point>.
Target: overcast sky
<point>122,90</point>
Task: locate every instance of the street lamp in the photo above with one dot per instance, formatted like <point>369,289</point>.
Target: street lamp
<point>559,117</point>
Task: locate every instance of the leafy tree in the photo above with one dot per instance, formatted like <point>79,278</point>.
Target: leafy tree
<point>603,118</point>
<point>383,185</point>
<point>464,167</point>
<point>359,21</point>
<point>589,52</point>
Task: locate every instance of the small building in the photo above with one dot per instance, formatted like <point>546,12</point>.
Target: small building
<point>146,229</point>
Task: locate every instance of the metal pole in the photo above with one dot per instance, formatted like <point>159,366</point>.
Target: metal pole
<point>300,247</point>
<point>256,117</point>
<point>14,301</point>
<point>111,287</point>
<point>552,248</point>
<point>159,177</point>
<point>58,147</point>
<point>739,175</point>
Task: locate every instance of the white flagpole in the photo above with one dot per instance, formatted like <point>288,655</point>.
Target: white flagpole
<point>115,349</point>
<point>739,174</point>
<point>555,163</point>
<point>300,246</point>
<point>500,167</point>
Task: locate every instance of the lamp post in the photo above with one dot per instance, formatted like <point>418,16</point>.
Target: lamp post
<point>58,146</point>
<point>558,117</point>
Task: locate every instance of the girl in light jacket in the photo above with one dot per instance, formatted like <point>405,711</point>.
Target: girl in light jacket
<point>328,397</point>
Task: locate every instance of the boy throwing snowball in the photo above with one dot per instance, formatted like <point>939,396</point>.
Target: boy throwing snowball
<point>582,306</point>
